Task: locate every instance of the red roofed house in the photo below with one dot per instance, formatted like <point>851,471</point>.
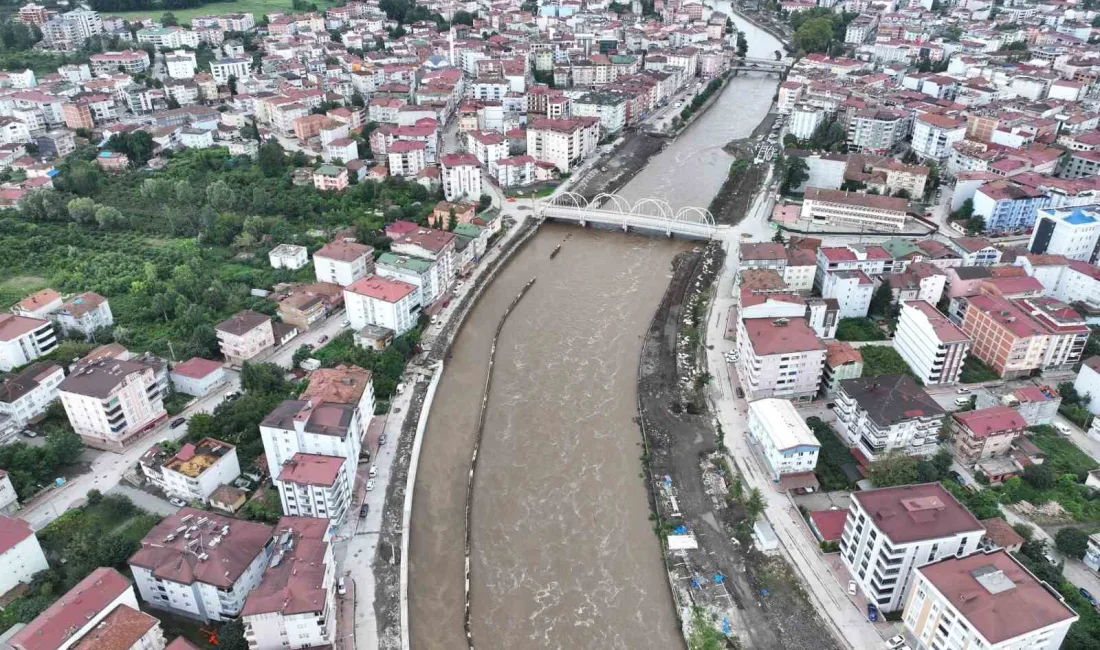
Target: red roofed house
<point>297,594</point>
<point>343,262</point>
<point>986,433</point>
<point>77,613</point>
<point>765,365</point>
<point>891,531</point>
<point>311,485</point>
<point>985,600</point>
<point>430,244</point>
<point>461,173</point>
<point>196,376</point>
<point>39,304</point>
<point>23,340</point>
<point>201,564</point>
<point>125,628</point>
<point>20,554</point>
<point>828,525</point>
<point>385,302</point>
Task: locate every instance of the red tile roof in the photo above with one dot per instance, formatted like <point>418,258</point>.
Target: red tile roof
<point>12,531</point>
<point>945,330</point>
<point>380,288</point>
<point>991,421</point>
<point>830,523</point>
<point>772,336</point>
<point>119,630</point>
<point>1016,605</point>
<point>912,513</point>
<point>312,469</point>
<point>12,326</point>
<point>345,251</point>
<point>294,584</point>
<point>196,367</point>
<point>54,627</point>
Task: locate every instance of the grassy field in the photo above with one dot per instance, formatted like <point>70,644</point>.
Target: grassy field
<point>14,289</point>
<point>255,7</point>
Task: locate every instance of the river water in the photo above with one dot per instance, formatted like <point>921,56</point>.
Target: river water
<point>564,555</point>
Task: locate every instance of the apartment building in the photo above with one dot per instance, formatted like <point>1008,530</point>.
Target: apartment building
<point>288,256</point>
<point>111,402</point>
<point>164,38</point>
<point>39,304</point>
<point>23,339</point>
<point>563,142</point>
<point>852,291</point>
<point>406,157</point>
<point>81,610</point>
<point>876,130</point>
<point>782,438</point>
<point>84,314</point>
<point>223,69</point>
<point>934,135</point>
<point>842,361</point>
<point>891,531</point>
<point>196,376</point>
<point>1014,342</point>
<point>20,554</point>
<point>199,468</point>
<point>930,343</point>
<point>423,273</point>
<point>244,336</point>
<point>311,485</point>
<point>985,600</point>
<point>330,178</point>
<point>779,357</point>
<point>343,262</point>
<point>977,251</point>
<point>1007,206</point>
<point>1072,233</point>
<point>128,61</point>
<point>25,396</point>
<point>426,243</point>
<point>461,176</point>
<point>294,605</point>
<point>985,433</point>
<point>9,500</point>
<point>856,210</point>
<point>201,564</point>
<point>124,628</point>
<point>382,301</point>
<point>881,414</point>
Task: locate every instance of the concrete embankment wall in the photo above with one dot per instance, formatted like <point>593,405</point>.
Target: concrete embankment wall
<point>421,412</point>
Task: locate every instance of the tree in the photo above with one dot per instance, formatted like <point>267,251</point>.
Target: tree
<point>484,202</point>
<point>1040,477</point>
<point>203,343</point>
<point>814,35</point>
<point>231,634</point>
<point>778,237</point>
<point>461,17</point>
<point>882,299</point>
<point>272,159</point>
<point>301,354</point>
<point>796,172</point>
<point>108,217</point>
<point>232,84</point>
<point>965,211</point>
<point>893,468</point>
<point>754,505</point>
<point>742,45</point>
<point>452,220</point>
<point>82,210</point>
<point>137,145</point>
<point>975,225</point>
<point>1072,542</point>
<point>263,378</point>
<point>168,19</point>
<point>221,196</point>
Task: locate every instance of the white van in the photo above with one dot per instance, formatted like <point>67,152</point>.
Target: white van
<point>373,471</point>
<point>962,401</point>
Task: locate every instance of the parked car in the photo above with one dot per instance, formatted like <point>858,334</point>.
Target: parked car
<point>342,587</point>
<point>851,587</point>
<point>872,612</point>
<point>345,323</point>
<point>177,422</point>
<point>1087,596</point>
<point>895,642</point>
<point>962,401</point>
<point>373,471</point>
<point>323,339</point>
<point>740,394</point>
<point>370,485</point>
<point>381,440</point>
<point>962,390</point>
<point>364,510</point>
<point>1063,429</point>
<point>30,433</point>
<point>179,503</point>
<point>957,477</point>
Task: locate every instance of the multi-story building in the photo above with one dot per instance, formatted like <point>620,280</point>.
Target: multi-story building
<point>852,291</point>
<point>20,554</point>
<point>891,531</point>
<point>111,402</point>
<point>311,485</point>
<point>876,130</point>
<point>294,605</point>
<point>244,336</point>
<point>164,38</point>
<point>72,28</point>
<point>124,628</point>
<point>39,304</point>
<point>77,613</point>
<point>25,396</point>
<point>128,61</point>
<point>984,600</point>
<point>181,64</point>
<point>985,433</point>
<point>855,209</point>
<point>934,135</point>
<point>33,14</point>
<point>223,69</point>
<point>1007,206</point>
<point>84,314</point>
<point>429,244</point>
<point>424,273</point>
<point>1087,384</point>
<point>609,107</point>
<point>779,357</point>
<point>1015,337</point>
<point>199,468</point>
<point>381,301</point>
<point>804,121</point>
<point>196,376</point>
<point>977,251</point>
<point>330,178</point>
<point>782,438</point>
<point>842,361</point>
<point>343,262</point>
<point>563,142</point>
<point>461,176</point>
<point>1071,233</point>
<point>288,256</point>
<point>880,414</point>
<point>930,343</point>
<point>23,339</point>
<point>201,564</point>
<point>406,157</point>
<point>9,500</point>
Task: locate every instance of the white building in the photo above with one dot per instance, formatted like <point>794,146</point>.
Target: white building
<point>891,531</point>
<point>851,289</point>
<point>563,142</point>
<point>934,135</point>
<point>9,500</point>
<point>1087,384</point>
<point>461,176</point>
<point>181,64</point>
<point>80,611</point>
<point>805,119</point>
<point>985,600</point>
<point>20,554</point>
<point>377,300</point>
<point>85,313</point>
<point>1072,233</point>
<point>288,256</point>
<point>196,376</point>
<point>39,304</point>
<point>24,397</point>
<point>785,442</point>
<point>407,157</point>
<point>111,402</point>
<point>311,485</point>
<point>199,468</point>
<point>24,339</point>
<point>886,413</point>
<point>294,606</point>
<point>930,343</point>
<point>223,69</point>
<point>343,262</point>
<point>245,335</point>
<point>429,244</point>
<point>854,209</point>
<point>201,564</point>
<point>424,273</point>
<point>779,357</point>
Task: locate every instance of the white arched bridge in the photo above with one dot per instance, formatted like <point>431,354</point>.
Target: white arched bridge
<point>651,215</point>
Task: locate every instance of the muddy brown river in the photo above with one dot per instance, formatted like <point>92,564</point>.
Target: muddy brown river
<point>564,554</point>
